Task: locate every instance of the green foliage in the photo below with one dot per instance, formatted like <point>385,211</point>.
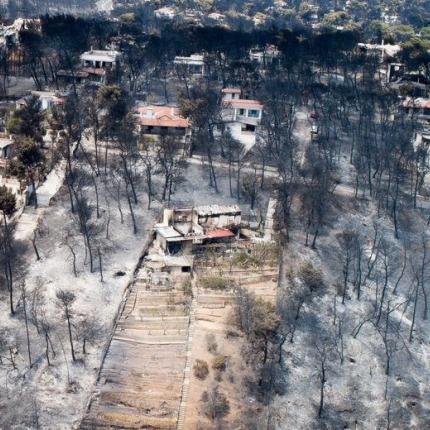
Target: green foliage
<point>7,201</point>
<point>378,29</point>
<point>425,32</point>
<point>27,121</point>
<point>16,168</point>
<point>219,363</point>
<point>29,153</point>
<point>256,317</point>
<point>335,18</point>
<point>403,32</point>
<point>415,53</point>
<point>311,277</point>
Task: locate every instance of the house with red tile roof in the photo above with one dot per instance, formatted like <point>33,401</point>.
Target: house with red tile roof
<point>155,121</point>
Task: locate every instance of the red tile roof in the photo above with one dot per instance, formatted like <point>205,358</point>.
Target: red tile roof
<point>243,104</point>
<point>161,116</point>
<point>220,233</point>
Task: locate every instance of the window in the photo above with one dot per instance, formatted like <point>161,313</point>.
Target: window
<point>241,111</point>
<point>253,113</point>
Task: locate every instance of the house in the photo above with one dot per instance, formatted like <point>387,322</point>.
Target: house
<point>265,56</point>
<point>217,17</point>
<point>155,121</point>
<point>165,13</point>
<point>419,108</point>
<point>78,76</point>
<point>95,66</point>
<point>241,116</point>
<point>422,143</point>
<point>193,65</point>
<point>7,152</point>
<point>231,94</point>
<point>48,99</point>
<point>7,148</point>
<point>177,266</point>
<point>384,52</point>
<point>100,59</point>
<point>180,229</point>
<point>395,71</point>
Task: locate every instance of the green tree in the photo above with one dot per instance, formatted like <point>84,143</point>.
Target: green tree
<point>415,54</point>
<point>113,101</point>
<point>8,207</point>
<point>27,121</point>
<point>7,202</point>
<point>30,160</point>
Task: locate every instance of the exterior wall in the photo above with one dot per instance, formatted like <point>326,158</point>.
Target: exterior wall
<point>97,64</point>
<point>8,151</point>
<point>161,242</point>
<point>252,115</point>
<point>219,221</point>
<point>231,96</point>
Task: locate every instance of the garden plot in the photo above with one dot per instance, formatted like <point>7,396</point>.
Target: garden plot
<point>140,383</point>
<point>215,340</point>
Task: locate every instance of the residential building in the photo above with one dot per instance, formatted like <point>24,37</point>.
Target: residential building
<point>192,65</point>
<point>155,121</point>
<point>384,52</point>
<point>7,152</point>
<point>100,59</point>
<point>265,56</point>
<point>48,99</point>
<point>242,117</point>
<point>217,17</point>
<point>419,108</point>
<point>180,229</point>
<point>165,13</point>
<point>95,66</point>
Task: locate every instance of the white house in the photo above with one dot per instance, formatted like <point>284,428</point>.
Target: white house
<point>165,12</point>
<point>384,51</point>
<point>242,117</point>
<point>264,56</point>
<point>48,99</point>
<point>101,59</point>
<point>180,229</point>
<point>7,148</point>
<point>193,65</point>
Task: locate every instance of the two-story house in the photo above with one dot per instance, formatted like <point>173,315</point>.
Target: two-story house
<point>155,121</point>
<point>241,116</point>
